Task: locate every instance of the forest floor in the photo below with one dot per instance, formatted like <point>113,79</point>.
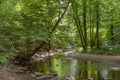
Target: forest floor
<point>18,73</point>
<point>13,72</point>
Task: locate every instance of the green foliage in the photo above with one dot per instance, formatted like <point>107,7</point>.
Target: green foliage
<point>63,37</point>
<point>2,60</point>
<point>5,49</point>
<point>24,24</point>
<point>4,57</point>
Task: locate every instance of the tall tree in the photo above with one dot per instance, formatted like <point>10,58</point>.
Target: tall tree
<point>97,23</point>
<point>82,30</point>
<point>84,23</point>
<point>90,22</point>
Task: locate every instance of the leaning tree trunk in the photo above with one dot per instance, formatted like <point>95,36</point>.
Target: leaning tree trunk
<point>78,24</point>
<point>52,31</point>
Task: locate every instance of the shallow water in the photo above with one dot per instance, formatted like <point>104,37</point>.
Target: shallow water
<point>79,70</point>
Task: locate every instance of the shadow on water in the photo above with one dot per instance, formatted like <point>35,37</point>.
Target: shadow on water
<point>79,70</point>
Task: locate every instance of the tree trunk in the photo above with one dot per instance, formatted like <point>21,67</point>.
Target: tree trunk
<point>84,23</point>
<point>111,30</point>
<point>78,24</point>
<point>90,21</point>
<point>97,24</point>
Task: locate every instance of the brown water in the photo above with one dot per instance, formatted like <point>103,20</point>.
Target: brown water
<point>79,70</point>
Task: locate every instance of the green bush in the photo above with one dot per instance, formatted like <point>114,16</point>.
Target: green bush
<point>6,51</point>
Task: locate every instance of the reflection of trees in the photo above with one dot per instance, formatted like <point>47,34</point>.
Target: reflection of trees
<point>50,61</point>
<point>83,71</point>
<point>113,75</point>
<point>86,70</point>
<point>78,70</point>
<point>98,75</point>
<point>73,69</point>
<point>66,67</point>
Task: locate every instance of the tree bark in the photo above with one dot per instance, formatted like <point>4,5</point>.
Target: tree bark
<point>78,24</point>
<point>97,24</point>
<point>90,21</point>
<point>84,23</point>
<point>112,34</point>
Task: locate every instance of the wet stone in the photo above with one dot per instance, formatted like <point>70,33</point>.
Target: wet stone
<point>19,71</point>
<point>38,74</point>
<point>44,77</point>
<point>33,75</point>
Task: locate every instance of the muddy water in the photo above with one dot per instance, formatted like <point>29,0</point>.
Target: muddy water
<point>79,70</point>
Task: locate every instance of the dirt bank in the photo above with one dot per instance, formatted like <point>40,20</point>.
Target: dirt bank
<point>14,73</point>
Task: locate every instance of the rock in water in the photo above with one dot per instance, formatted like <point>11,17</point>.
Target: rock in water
<point>44,77</point>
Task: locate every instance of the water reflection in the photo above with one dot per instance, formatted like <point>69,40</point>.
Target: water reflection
<point>73,69</point>
<point>79,70</point>
<point>104,73</point>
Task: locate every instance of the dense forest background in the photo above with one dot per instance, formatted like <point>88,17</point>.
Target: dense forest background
<point>29,26</point>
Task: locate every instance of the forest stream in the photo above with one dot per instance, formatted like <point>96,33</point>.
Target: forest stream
<point>66,66</point>
<point>74,69</point>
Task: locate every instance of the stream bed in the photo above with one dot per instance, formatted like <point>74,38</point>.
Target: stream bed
<point>78,69</point>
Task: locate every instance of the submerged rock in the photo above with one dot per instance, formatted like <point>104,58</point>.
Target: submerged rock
<point>36,74</point>
<point>33,75</point>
